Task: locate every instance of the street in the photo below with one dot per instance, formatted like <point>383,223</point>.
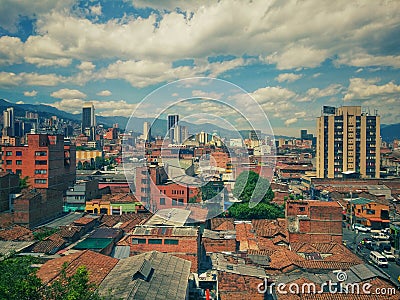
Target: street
<point>351,238</point>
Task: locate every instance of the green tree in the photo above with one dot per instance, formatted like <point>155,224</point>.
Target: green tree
<point>18,279</point>
<point>250,186</point>
<point>74,287</point>
<point>262,210</point>
<point>211,189</point>
<point>23,182</point>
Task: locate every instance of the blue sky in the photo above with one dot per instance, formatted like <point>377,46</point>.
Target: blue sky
<point>292,57</point>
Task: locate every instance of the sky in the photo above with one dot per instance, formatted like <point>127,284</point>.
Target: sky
<point>286,59</point>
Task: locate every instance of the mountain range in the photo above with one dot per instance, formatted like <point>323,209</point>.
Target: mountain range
<point>388,132</point>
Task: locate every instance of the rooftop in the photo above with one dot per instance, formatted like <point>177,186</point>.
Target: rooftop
<point>360,201</point>
<point>95,243</point>
<point>97,264</point>
<point>171,216</point>
<point>165,231</point>
<point>152,275</point>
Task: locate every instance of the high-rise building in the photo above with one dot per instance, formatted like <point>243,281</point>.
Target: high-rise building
<point>172,123</point>
<point>184,133</point>
<point>88,120</point>
<point>147,131</point>
<point>348,143</point>
<point>8,122</point>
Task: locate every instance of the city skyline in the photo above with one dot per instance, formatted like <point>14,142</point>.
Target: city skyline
<point>297,57</point>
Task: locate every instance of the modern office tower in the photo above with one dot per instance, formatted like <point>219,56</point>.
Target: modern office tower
<point>147,131</point>
<point>8,122</point>
<point>88,120</point>
<point>348,143</point>
<point>172,123</point>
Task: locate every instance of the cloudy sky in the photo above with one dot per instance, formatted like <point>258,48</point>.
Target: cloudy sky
<point>292,57</point>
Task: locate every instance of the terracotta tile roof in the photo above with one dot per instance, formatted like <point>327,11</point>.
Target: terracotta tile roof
<point>280,239</point>
<point>51,244</point>
<point>213,246</point>
<point>284,258</point>
<point>122,198</point>
<point>98,266</point>
<point>84,221</point>
<point>265,243</point>
<point>119,189</point>
<point>222,224</point>
<point>340,256</point>
<point>318,247</point>
<point>69,231</point>
<point>245,236</point>
<point>16,233</point>
<point>326,265</point>
<point>127,226</point>
<point>238,287</point>
<point>269,228</point>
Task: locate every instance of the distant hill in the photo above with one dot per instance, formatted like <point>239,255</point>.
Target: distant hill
<point>390,132</point>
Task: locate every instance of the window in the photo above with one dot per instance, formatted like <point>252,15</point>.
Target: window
<point>18,172</point>
<point>155,241</point>
<point>302,208</point>
<point>138,241</point>
<point>171,242</point>
<point>41,181</point>
<point>162,201</point>
<point>42,172</point>
<point>18,153</point>
<point>41,162</point>
<point>174,202</point>
<point>8,162</point>
<point>8,153</point>
<point>40,153</point>
<point>18,162</point>
<point>180,202</point>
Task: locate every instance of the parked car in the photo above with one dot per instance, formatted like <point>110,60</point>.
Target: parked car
<point>386,231</point>
<point>389,256</point>
<point>378,259</point>
<point>361,227</point>
<point>380,236</point>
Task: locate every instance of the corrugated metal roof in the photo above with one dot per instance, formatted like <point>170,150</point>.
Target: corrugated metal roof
<point>167,279</point>
<point>170,217</point>
<point>121,252</point>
